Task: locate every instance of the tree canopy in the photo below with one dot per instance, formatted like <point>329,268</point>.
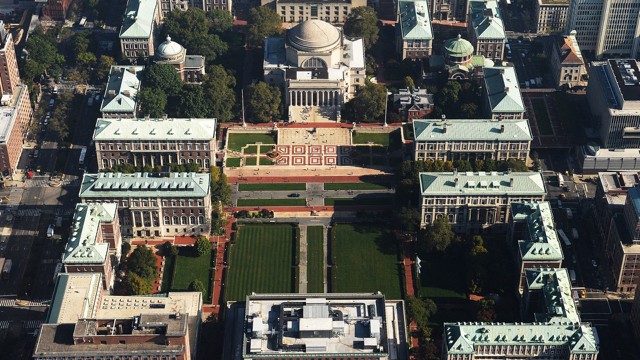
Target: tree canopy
<point>142,262</point>
<point>192,102</point>
<point>196,285</point>
<point>263,22</point>
<point>152,102</point>
<point>437,236</point>
<point>218,87</point>
<point>262,102</point>
<point>202,246</point>
<point>163,77</point>
<point>193,29</point>
<point>369,102</point>
<point>219,20</point>
<point>136,285</point>
<point>363,23</point>
<point>43,55</point>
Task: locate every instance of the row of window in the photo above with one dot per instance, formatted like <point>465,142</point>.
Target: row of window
<point>153,146</point>
<point>485,200</point>
<point>474,146</point>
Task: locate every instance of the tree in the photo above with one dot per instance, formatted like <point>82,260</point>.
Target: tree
<point>420,311</point>
<point>469,110</point>
<point>80,43</point>
<point>191,29</point>
<point>448,97</point>
<point>163,77</point>
<point>152,102</point>
<point>363,23</point>
<point>202,246</point>
<point>196,285</point>
<point>103,67</point>
<point>126,247</point>
<point>219,93</point>
<point>263,22</point>
<point>409,219</point>
<point>192,103</point>
<point>43,55</point>
<point>137,285</point>
<point>219,20</point>
<point>486,312</point>
<point>221,190</point>
<point>262,102</point>
<point>85,59</point>
<point>168,249</point>
<point>368,105</point>
<point>438,235</point>
<point>408,82</point>
<point>142,262</point>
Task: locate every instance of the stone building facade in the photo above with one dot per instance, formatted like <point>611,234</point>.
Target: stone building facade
<point>331,11</point>
<point>139,29</point>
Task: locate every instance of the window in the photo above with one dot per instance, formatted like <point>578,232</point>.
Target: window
<point>184,220</point>
<point>167,220</point>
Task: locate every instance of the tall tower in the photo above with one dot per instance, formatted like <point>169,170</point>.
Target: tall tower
<point>9,75</point>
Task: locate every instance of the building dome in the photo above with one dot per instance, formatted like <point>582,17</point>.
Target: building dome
<point>169,49</point>
<point>314,36</point>
<point>458,47</point>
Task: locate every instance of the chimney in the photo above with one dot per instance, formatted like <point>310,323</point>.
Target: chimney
<point>455,172</point>
<point>456,182</point>
<point>444,128</point>
<point>127,93</point>
<point>511,182</point>
<point>501,129</point>
<point>506,90</point>
<point>111,93</point>
<point>501,71</point>
<point>132,70</point>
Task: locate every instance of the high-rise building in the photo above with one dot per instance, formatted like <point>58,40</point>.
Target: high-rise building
<point>608,28</point>
<point>9,74</point>
<point>15,116</point>
<point>614,98</point>
<point>551,16</point>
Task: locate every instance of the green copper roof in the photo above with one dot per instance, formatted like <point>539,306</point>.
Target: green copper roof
<point>83,246</point>
<point>472,130</point>
<point>542,242</point>
<point>486,19</point>
<point>556,289</point>
<point>414,20</point>
<point>154,129</point>
<point>118,185</point>
<point>138,19</point>
<point>480,183</point>
<point>458,47</point>
<point>503,90</point>
<point>463,338</point>
<point>121,94</point>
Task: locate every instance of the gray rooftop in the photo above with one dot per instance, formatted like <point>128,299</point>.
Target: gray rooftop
<point>482,183</point>
<point>487,19</point>
<point>413,98</point>
<point>555,286</point>
<point>472,130</point>
<point>118,185</point>
<point>121,94</point>
<point>9,112</point>
<point>542,243</point>
<point>154,129</point>
<point>139,19</point>
<point>503,90</point>
<point>83,246</point>
<point>414,20</point>
<point>74,297</point>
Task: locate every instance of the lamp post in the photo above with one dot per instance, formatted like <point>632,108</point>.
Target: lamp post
<point>244,124</point>
<point>386,99</point>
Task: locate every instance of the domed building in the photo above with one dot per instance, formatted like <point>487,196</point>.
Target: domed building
<point>459,60</point>
<point>190,67</point>
<point>317,65</point>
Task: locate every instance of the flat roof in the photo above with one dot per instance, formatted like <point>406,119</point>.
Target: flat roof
<point>472,129</point>
<point>618,181</point>
<point>119,185</point>
<point>8,114</point>
<point>481,183</point>
<point>154,129</point>
<point>75,296</point>
<point>626,74</point>
<point>323,325</point>
<point>634,198</point>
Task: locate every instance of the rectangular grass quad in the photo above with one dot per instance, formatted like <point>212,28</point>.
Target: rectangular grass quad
<point>315,259</point>
<point>237,141</point>
<point>365,259</point>
<point>260,261</point>
<point>187,267</point>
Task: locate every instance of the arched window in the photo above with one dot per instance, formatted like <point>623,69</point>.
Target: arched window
<point>176,221</point>
<point>192,220</point>
<point>314,63</point>
<point>200,219</point>
<point>167,220</point>
<point>184,220</point>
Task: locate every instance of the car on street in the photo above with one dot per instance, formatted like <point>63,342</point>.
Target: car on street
<point>294,195</point>
<point>594,263</point>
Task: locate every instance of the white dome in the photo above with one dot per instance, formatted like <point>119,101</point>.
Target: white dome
<point>314,36</point>
<point>169,49</point>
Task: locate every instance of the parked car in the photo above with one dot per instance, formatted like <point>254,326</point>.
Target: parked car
<point>294,195</point>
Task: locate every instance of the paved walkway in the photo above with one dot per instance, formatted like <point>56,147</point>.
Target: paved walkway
<point>325,244</point>
<point>302,266</point>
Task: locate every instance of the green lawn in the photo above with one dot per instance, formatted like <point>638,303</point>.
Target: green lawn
<point>265,161</point>
<point>379,200</point>
<point>393,139</point>
<point>233,162</point>
<point>365,259</point>
<point>188,267</point>
<point>250,161</point>
<point>441,277</point>
<point>251,149</point>
<point>272,202</point>
<point>315,260</point>
<point>237,141</point>
<point>272,187</point>
<point>260,261</point>
<point>542,116</point>
<point>356,186</point>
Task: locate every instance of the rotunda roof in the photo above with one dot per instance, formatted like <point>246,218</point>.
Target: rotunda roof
<point>314,36</point>
<point>169,49</point>
<point>458,47</point>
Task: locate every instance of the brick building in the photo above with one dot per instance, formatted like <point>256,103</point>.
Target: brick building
<point>15,116</point>
<point>95,238</point>
<point>502,98</point>
<point>413,104</point>
<point>487,29</point>
<point>532,234</point>
<point>151,205</point>
<point>9,73</point>
<point>414,36</point>
<point>120,98</point>
<point>144,141</point>
<point>567,64</point>
<point>139,29</point>
<point>297,11</point>
<point>551,16</point>
<point>472,139</point>
<point>476,201</point>
<point>56,9</point>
